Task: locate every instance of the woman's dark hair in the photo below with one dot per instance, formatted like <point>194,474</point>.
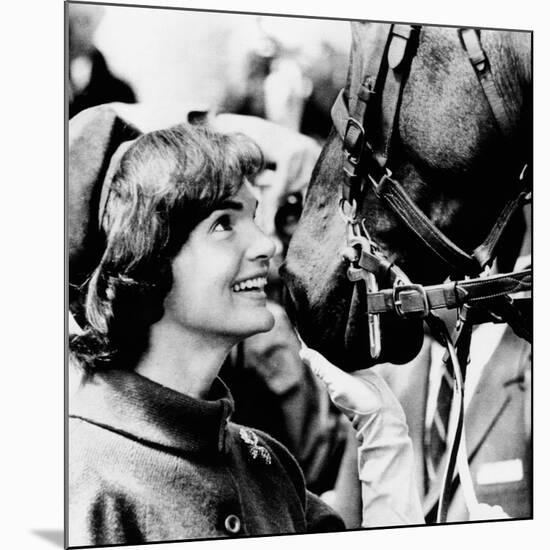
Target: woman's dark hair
<point>166,183</point>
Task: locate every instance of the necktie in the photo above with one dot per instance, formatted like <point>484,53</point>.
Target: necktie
<point>436,440</point>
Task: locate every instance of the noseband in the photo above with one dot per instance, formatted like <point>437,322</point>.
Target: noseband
<point>367,128</point>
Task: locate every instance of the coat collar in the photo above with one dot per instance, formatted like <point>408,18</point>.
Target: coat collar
<point>137,407</point>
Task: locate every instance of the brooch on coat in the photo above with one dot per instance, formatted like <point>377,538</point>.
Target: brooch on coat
<point>255,450</point>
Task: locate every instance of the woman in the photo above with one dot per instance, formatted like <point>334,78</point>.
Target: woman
<point>153,455</point>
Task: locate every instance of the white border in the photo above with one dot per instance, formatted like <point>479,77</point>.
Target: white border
<point>32,268</point>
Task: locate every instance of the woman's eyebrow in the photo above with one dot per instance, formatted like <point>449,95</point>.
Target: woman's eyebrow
<point>231,204</point>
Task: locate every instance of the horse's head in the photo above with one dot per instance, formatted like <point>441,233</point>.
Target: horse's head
<point>452,159</point>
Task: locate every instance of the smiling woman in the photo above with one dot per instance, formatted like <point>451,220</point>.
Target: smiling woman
<point>168,270</point>
<point>159,187</point>
<point>217,297</point>
<point>179,280</point>
<point>220,274</point>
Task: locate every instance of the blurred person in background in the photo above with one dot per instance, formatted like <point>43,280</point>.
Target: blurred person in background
<point>273,390</point>
<point>289,72</point>
<point>90,81</point>
<point>251,59</point>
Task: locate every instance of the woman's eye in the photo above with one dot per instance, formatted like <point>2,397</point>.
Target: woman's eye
<point>223,224</point>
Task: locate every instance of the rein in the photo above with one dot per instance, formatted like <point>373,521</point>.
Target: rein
<point>367,127</point>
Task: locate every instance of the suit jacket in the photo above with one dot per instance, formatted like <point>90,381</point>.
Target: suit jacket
<point>497,430</point>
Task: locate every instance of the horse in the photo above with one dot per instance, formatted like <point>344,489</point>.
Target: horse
<point>456,148</point>
<point>416,204</point>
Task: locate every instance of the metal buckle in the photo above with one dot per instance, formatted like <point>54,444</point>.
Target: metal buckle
<point>356,246</point>
<point>348,210</point>
<point>469,39</point>
<point>412,289</point>
<point>376,184</point>
<point>359,126</point>
<point>353,153</point>
<point>350,166</point>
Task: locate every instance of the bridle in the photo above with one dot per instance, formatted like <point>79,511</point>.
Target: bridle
<point>367,127</point>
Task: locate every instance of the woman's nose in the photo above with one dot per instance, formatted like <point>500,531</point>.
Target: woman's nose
<point>261,245</point>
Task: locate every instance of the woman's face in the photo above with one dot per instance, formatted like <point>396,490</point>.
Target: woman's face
<point>220,273</point>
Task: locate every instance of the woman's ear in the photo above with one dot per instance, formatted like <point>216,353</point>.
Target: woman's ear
<point>94,137</point>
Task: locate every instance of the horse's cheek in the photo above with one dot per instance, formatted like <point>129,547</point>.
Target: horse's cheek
<point>314,271</point>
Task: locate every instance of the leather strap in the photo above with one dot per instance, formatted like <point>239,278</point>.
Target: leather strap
<point>392,193</point>
<point>386,188</point>
<point>516,312</point>
<point>418,300</point>
<point>485,252</point>
<point>355,134</point>
<point>367,136</point>
<point>340,114</point>
<point>403,40</point>
<point>470,40</point>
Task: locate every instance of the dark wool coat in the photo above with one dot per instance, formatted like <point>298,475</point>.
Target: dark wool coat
<point>149,464</point>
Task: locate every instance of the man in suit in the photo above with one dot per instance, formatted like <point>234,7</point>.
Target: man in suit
<point>497,428</point>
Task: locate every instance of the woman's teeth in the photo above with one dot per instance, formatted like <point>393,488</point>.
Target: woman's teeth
<point>251,284</point>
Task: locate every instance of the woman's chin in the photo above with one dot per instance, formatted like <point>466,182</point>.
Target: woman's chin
<point>259,321</point>
<point>269,322</point>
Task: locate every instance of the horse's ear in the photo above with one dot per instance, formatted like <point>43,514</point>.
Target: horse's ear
<point>94,136</point>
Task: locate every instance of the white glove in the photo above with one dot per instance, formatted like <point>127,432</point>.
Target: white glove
<point>386,460</point>
<point>486,511</point>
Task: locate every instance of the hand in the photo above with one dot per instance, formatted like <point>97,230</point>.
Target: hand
<point>363,392</point>
<point>385,457</point>
<point>486,511</point>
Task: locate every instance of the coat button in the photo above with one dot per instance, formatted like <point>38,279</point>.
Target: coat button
<point>232,524</point>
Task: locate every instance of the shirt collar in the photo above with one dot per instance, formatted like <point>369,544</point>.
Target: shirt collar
<point>137,407</point>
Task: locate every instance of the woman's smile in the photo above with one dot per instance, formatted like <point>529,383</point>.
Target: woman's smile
<point>253,286</point>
